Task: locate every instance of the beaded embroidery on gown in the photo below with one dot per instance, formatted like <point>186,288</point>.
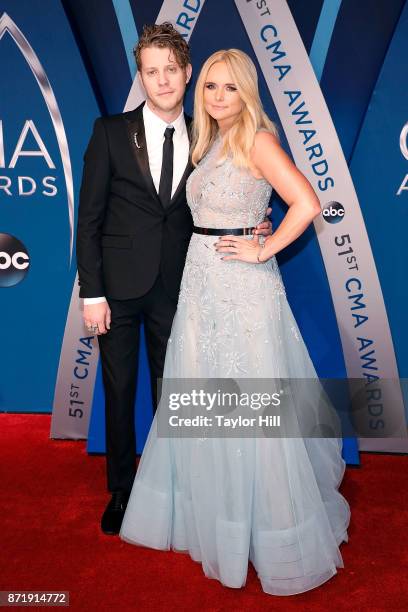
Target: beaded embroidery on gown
<point>273,501</point>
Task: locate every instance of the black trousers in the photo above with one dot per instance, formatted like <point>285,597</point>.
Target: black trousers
<point>119,350</point>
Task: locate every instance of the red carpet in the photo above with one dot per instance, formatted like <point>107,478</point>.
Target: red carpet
<point>52,496</point>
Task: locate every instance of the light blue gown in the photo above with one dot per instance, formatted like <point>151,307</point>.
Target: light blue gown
<point>226,501</point>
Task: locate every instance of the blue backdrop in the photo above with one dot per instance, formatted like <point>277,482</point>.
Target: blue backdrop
<point>33,313</point>
<point>85,51</point>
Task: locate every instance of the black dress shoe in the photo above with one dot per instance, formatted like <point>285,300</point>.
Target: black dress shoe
<point>112,517</point>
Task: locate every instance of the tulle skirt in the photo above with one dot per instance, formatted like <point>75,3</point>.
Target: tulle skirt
<point>226,501</point>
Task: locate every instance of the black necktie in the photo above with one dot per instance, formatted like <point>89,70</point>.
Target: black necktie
<point>166,176</point>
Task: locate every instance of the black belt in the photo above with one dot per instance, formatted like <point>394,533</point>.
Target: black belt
<point>213,231</point>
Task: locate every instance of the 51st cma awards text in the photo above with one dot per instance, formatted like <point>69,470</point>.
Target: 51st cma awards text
<point>225,422</point>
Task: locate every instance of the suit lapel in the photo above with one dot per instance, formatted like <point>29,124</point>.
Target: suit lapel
<point>182,182</point>
<point>137,140</point>
<point>189,166</point>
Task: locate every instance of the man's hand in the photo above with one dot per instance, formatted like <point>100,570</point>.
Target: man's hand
<point>264,228</point>
<point>97,314</point>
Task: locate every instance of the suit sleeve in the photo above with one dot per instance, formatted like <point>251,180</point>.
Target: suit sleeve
<point>93,200</point>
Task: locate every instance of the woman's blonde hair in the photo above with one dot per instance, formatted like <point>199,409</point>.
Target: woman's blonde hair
<point>240,137</point>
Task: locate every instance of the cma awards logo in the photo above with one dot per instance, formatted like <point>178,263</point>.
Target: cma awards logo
<point>22,185</point>
<point>26,185</point>
<point>14,261</point>
<point>333,212</point>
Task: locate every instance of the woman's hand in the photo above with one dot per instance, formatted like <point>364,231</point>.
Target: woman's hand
<point>240,248</point>
<point>264,228</point>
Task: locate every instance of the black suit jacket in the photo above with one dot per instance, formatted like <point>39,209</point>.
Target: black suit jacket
<point>125,235</point>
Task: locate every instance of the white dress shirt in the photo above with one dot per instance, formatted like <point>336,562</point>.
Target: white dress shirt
<point>154,132</point>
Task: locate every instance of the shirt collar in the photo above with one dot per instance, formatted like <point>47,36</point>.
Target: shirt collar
<point>158,125</point>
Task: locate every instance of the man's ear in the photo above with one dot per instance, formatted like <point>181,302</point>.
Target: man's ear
<point>139,76</point>
<point>189,70</point>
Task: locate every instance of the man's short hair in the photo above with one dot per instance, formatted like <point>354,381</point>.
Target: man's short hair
<point>164,35</point>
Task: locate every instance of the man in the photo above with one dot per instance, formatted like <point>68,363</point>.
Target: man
<point>134,227</point>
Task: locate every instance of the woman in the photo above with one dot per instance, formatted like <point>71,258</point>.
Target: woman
<point>271,500</point>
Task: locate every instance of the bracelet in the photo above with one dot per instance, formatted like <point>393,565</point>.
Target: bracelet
<point>259,261</point>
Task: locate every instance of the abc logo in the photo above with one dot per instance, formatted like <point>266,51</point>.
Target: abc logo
<point>333,212</point>
<point>14,261</point>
